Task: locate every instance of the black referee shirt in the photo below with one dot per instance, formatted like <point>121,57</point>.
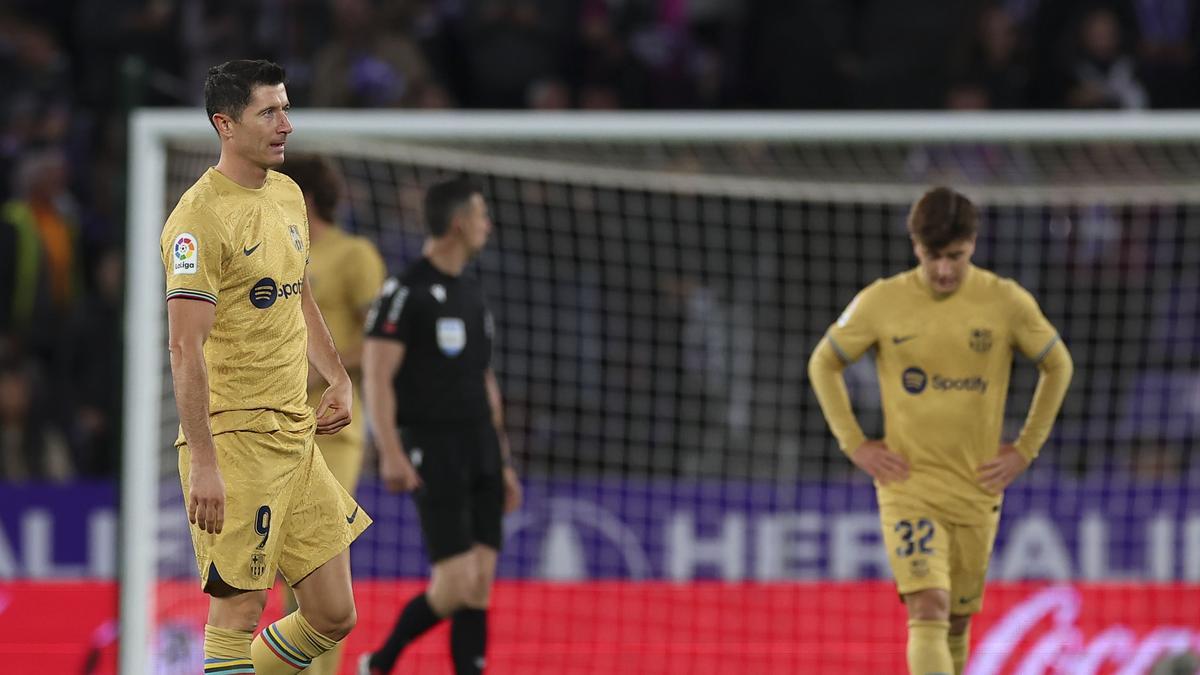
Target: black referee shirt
<point>447,333</point>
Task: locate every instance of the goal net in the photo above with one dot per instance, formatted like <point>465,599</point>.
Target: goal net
<point>658,284</point>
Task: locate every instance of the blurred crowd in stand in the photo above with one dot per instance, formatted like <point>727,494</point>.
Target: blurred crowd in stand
<point>71,70</point>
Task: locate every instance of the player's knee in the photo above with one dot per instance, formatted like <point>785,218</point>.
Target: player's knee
<point>336,624</point>
<point>445,592</point>
<point>480,588</point>
<point>465,586</point>
<point>240,611</point>
<point>478,592</point>
<point>959,623</point>
<point>347,622</point>
<point>931,604</point>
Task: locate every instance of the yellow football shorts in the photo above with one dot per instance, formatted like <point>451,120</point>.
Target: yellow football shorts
<point>343,451</point>
<point>284,511</point>
<point>925,551</point>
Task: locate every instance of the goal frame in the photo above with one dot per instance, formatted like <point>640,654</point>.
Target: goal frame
<point>150,130</point>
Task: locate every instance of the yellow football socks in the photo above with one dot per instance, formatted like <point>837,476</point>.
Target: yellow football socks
<point>327,663</point>
<point>959,644</point>
<point>928,650</point>
<point>227,652</point>
<point>288,646</point>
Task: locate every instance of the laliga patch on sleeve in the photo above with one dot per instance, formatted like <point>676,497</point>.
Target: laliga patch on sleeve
<point>185,254</point>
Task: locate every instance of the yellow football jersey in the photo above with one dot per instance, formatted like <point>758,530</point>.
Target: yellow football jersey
<point>245,251</point>
<point>943,366</point>
<point>345,273</point>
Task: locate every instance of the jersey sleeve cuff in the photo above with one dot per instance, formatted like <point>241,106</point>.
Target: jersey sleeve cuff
<point>1046,350</point>
<point>1029,453</point>
<point>191,294</point>
<point>837,349</point>
<point>851,443</point>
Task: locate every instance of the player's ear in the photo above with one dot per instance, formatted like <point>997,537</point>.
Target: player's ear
<point>458,221</point>
<point>224,124</point>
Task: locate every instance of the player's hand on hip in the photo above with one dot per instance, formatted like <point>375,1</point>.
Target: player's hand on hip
<point>512,490</point>
<point>206,498</point>
<point>1000,471</point>
<point>398,474</point>
<point>333,413</point>
<point>878,460</point>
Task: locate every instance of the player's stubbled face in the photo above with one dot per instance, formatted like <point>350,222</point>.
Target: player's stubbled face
<point>945,268</point>
<point>476,223</point>
<point>264,126</point>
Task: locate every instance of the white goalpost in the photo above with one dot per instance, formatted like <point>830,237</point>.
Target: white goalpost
<point>712,247</point>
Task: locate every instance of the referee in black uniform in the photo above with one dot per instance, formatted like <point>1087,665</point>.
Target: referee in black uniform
<point>426,370</point>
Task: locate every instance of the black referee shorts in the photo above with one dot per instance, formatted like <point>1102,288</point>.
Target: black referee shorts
<point>462,500</point>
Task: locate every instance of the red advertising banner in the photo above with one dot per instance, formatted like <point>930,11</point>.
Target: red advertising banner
<point>660,627</point>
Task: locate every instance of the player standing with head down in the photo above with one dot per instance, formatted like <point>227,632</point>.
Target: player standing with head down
<point>427,370</point>
<point>243,328</point>
<point>944,335</point>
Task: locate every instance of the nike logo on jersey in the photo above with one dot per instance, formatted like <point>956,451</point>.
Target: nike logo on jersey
<point>898,339</point>
<point>252,249</point>
<point>350,518</point>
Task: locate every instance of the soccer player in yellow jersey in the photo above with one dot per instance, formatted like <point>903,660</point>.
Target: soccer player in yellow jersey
<point>243,328</point>
<point>345,273</point>
<point>944,335</point>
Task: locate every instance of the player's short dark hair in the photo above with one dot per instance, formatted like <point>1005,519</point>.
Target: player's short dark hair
<point>941,217</point>
<point>228,86</point>
<point>318,180</point>
<point>443,199</point>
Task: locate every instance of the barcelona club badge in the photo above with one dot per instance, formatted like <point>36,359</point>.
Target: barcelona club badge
<point>258,564</point>
<point>296,240</point>
<point>981,339</point>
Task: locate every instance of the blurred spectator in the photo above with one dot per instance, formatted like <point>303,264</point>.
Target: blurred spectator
<point>1170,32</point>
<point>512,45</point>
<point>549,94</point>
<point>904,52</point>
<point>29,447</point>
<point>608,76</point>
<point>1103,74</point>
<point>367,66</point>
<point>797,54</point>
<point>45,207</point>
<point>995,60</point>
<point>130,52</point>
<point>35,78</point>
<point>968,95</point>
<point>92,386</point>
<point>1054,32</point>
<point>24,293</point>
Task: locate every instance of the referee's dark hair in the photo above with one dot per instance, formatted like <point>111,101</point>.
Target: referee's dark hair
<point>443,199</point>
<point>318,180</point>
<point>228,86</point>
<point>941,217</point>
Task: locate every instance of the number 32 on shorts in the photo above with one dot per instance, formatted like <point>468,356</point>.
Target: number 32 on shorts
<point>922,532</point>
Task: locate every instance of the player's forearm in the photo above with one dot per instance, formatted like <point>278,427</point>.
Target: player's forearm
<point>380,401</point>
<point>496,403</point>
<point>825,372</point>
<point>1056,370</point>
<point>190,374</point>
